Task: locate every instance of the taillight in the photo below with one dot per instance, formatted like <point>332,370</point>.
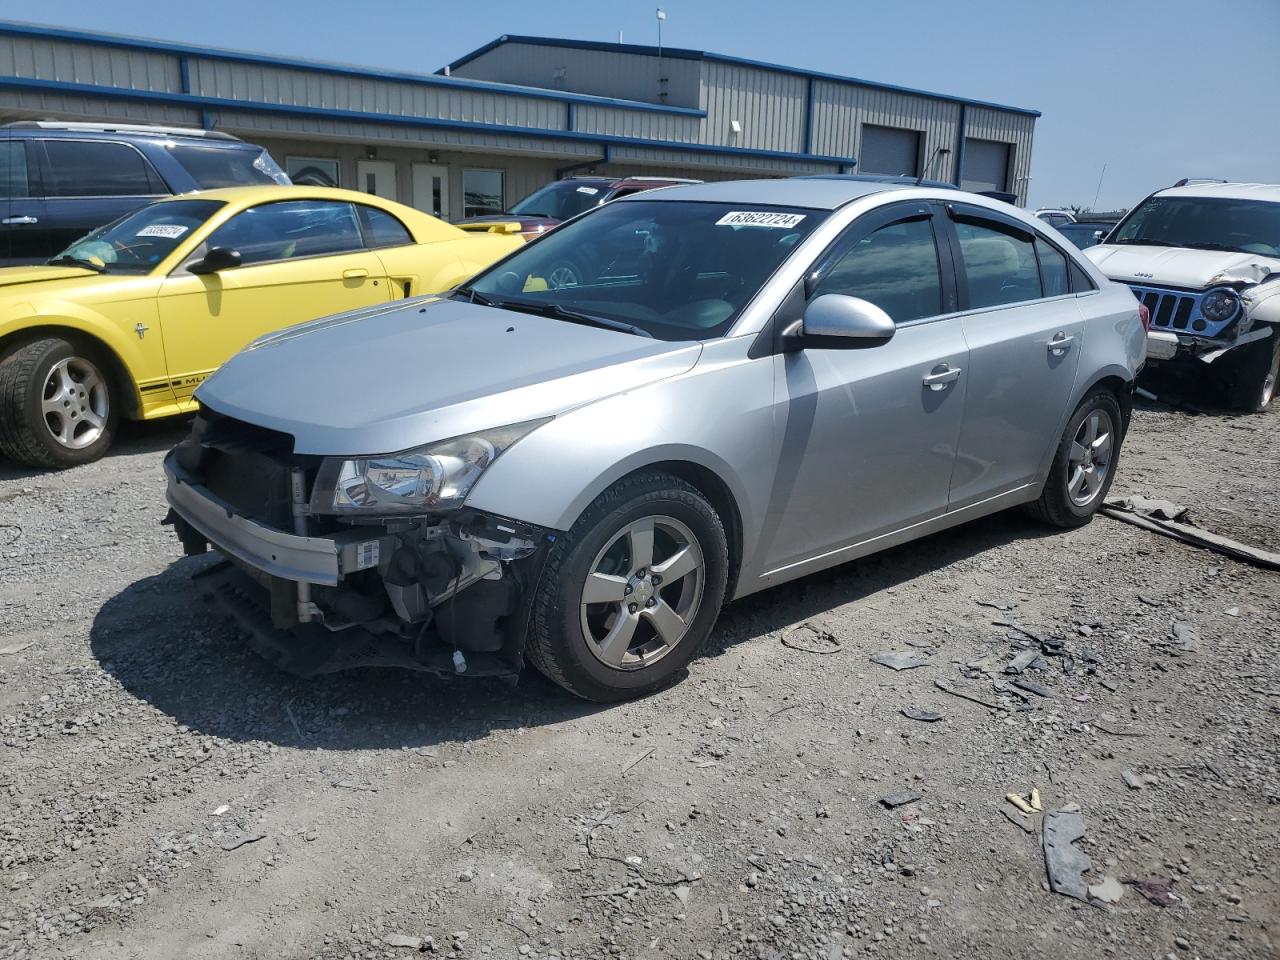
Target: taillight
<point>1145,314</point>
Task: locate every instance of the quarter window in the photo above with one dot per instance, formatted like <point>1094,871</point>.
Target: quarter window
<point>289,230</point>
<point>482,192</point>
<point>87,168</point>
<point>896,268</point>
<point>381,229</point>
<point>1053,269</point>
<point>1000,267</point>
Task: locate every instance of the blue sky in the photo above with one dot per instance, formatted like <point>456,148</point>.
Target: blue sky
<point>1155,89</point>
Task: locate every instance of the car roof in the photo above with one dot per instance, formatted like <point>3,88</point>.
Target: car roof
<point>50,129</point>
<point>259,192</point>
<point>818,194</point>
<point>1228,191</point>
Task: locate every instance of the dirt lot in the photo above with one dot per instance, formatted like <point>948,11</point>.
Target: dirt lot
<point>163,793</point>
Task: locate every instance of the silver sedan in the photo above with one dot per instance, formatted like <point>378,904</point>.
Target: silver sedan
<point>673,401</point>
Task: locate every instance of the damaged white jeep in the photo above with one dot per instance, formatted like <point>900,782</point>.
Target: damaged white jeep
<point>1204,258</point>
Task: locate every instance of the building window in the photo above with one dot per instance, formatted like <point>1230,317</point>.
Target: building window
<point>889,151</point>
<point>986,165</point>
<point>313,171</point>
<point>482,193</point>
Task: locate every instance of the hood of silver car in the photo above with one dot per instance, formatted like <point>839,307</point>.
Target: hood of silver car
<point>1180,266</point>
<point>386,380</point>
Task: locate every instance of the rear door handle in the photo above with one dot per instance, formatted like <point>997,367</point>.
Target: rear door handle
<point>355,273</point>
<point>940,376</point>
<point>1058,345</point>
<point>10,220</point>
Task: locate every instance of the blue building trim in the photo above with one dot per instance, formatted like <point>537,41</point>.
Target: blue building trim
<point>206,104</point>
<point>570,116</point>
<point>808,116</point>
<point>962,133</point>
<point>678,54</point>
<point>184,74</point>
<point>11,29</point>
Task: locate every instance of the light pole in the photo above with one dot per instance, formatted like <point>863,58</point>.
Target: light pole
<point>662,90</point>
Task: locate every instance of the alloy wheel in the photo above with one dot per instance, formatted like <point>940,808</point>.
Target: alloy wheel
<point>1089,459</point>
<point>563,276</point>
<point>642,593</point>
<point>75,403</point>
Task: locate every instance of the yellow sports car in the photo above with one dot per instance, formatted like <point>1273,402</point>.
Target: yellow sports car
<point>130,319</point>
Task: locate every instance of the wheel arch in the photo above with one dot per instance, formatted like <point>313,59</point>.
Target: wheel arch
<point>125,386</point>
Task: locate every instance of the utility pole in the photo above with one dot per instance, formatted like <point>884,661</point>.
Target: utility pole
<point>1097,193</point>
<point>662,81</point>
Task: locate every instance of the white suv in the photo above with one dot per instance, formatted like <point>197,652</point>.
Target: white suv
<point>1204,258</point>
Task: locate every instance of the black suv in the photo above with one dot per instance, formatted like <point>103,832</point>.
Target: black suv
<point>58,181</point>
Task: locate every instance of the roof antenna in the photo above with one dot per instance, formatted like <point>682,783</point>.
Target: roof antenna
<point>938,152</point>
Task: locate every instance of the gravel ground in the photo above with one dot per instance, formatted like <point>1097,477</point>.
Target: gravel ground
<point>164,793</point>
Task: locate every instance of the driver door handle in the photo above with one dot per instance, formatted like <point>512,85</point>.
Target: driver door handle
<point>941,375</point>
<point>10,220</point>
<point>1058,345</point>
<point>355,273</point>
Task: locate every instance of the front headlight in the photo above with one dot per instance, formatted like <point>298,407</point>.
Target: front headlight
<point>1219,305</point>
<point>424,480</point>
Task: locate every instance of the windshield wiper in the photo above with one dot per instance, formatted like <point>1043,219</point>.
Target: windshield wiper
<point>472,296</point>
<point>66,260</point>
<point>557,312</point>
<point>1140,242</point>
<point>1207,245</point>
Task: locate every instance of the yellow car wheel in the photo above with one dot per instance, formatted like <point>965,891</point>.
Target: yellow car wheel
<point>57,407</point>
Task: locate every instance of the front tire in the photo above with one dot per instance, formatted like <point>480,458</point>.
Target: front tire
<point>1084,464</point>
<point>1252,375</point>
<point>630,594</point>
<point>57,405</point>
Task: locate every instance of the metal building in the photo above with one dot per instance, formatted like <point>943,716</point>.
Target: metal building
<point>517,113</point>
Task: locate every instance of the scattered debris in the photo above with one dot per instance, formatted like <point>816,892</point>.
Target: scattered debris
<point>636,762</point>
<point>997,604</point>
<point>901,798</point>
<point>1032,687</point>
<point>945,688</point>
<point>924,716</point>
<point>1017,821</point>
<point>810,639</point>
<point>1065,863</point>
<point>401,940</point>
<point>898,661</point>
<point>348,784</point>
<point>1156,889</point>
<point>1163,517</point>
<point>1108,891</point>
<point>1029,805</point>
<point>1185,634</point>
<point>1136,781</point>
<point>1022,661</point>
<point>242,840</point>
<point>220,811</point>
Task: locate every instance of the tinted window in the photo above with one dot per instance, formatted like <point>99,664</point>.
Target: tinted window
<point>85,168</point>
<point>677,269</point>
<point>896,268</point>
<point>481,192</point>
<point>382,229</point>
<point>1000,267</point>
<point>211,167</point>
<point>139,241</point>
<point>13,169</point>
<point>295,228</point>
<point>1053,270</point>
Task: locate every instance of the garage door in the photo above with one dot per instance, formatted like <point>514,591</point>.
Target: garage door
<point>986,165</point>
<point>886,150</point>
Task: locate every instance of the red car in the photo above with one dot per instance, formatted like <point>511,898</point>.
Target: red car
<point>559,201</point>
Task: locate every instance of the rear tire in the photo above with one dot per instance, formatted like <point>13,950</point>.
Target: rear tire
<point>1251,375</point>
<point>57,404</point>
<point>1084,464</point>
<point>638,635</point>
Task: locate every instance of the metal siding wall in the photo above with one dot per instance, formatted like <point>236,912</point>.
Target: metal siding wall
<point>68,62</point>
<point>265,84</point>
<point>840,110</point>
<point>634,123</point>
<point>1012,128</point>
<point>625,160</point>
<point>24,105</point>
<point>769,105</point>
<point>626,76</point>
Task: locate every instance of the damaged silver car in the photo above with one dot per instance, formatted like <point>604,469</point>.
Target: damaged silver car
<point>746,383</point>
<point>1203,257</point>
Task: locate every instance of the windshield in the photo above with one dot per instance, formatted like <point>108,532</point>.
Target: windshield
<point>1206,223</point>
<point>1083,234</point>
<point>562,199</point>
<point>137,242</point>
<point>676,270</point>
<point>221,166</point>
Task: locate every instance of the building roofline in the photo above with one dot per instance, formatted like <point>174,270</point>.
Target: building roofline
<point>678,53</point>
<point>120,41</point>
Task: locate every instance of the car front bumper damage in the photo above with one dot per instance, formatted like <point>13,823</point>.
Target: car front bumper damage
<point>447,595</point>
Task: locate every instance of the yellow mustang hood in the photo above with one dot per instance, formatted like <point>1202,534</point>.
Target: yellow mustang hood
<point>38,273</point>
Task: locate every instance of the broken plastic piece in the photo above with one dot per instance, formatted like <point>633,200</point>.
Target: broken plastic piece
<point>459,662</point>
<point>1035,800</point>
<point>1018,802</point>
<point>1064,863</point>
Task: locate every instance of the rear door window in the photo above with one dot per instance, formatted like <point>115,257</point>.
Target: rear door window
<point>1053,269</point>
<point>13,170</point>
<point>290,230</point>
<point>99,168</point>
<point>999,266</point>
<point>896,268</point>
<point>381,229</point>
<point>225,166</point>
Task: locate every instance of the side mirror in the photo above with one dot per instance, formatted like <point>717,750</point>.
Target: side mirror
<point>836,322</point>
<point>215,259</point>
